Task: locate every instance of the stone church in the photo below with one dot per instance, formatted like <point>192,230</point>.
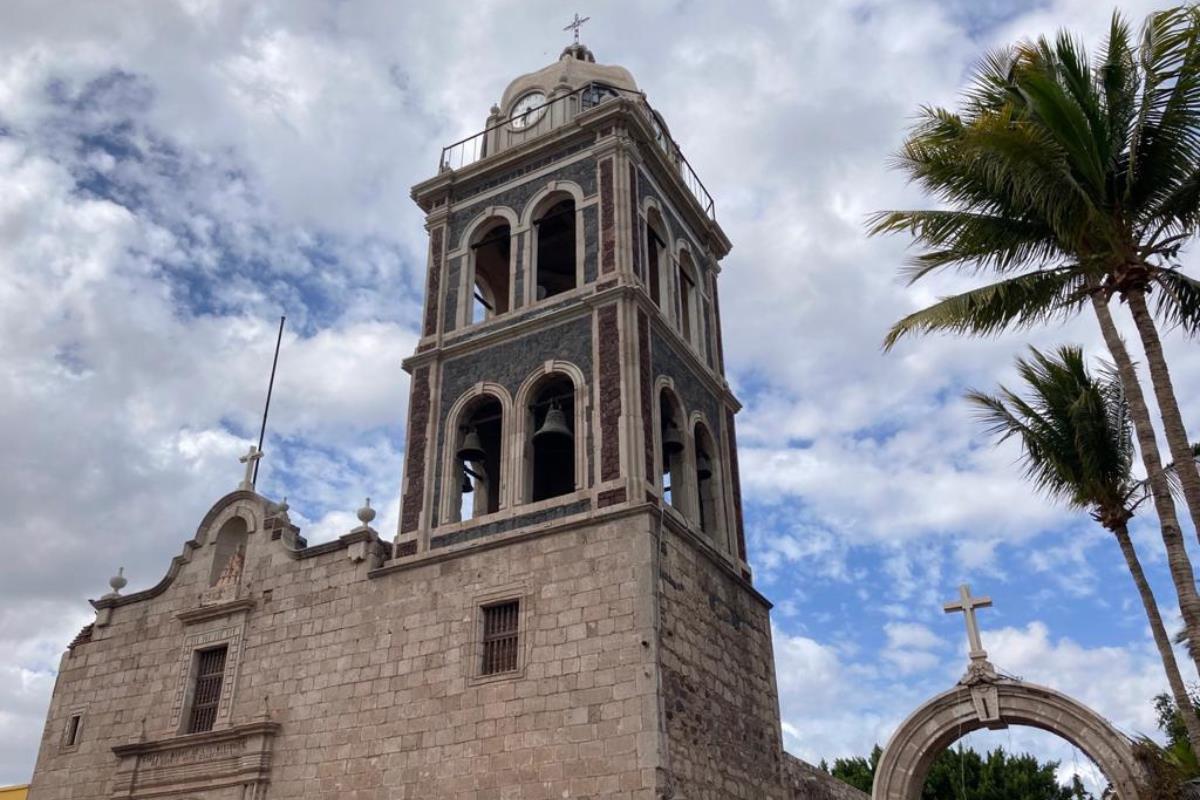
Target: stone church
<point>566,610</point>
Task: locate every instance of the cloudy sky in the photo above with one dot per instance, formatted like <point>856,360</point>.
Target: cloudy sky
<point>175,174</point>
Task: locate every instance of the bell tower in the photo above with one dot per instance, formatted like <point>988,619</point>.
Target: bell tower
<point>568,391</point>
<point>571,357</point>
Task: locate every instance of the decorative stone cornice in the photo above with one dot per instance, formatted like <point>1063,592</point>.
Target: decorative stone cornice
<point>214,611</point>
<point>196,763</point>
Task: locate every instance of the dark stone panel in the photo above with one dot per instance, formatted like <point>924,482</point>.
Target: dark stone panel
<point>609,368</point>
<point>453,276</point>
<point>467,191</point>
<point>414,467</point>
<point>608,225</point>
<point>433,290</point>
<point>519,278</point>
<point>646,378</point>
<point>591,241</point>
<point>666,360</point>
<point>500,526</point>
<point>509,363</point>
<point>582,172</point>
<point>610,498</point>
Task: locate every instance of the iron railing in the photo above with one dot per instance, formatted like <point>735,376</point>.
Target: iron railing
<point>532,123</point>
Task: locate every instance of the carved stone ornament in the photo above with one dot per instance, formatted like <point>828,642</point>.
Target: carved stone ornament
<point>232,764</point>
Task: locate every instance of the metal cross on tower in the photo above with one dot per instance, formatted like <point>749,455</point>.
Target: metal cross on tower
<point>967,605</point>
<point>575,25</point>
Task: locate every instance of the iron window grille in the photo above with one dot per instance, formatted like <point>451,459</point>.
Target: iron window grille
<point>72,734</point>
<point>500,627</point>
<point>210,671</point>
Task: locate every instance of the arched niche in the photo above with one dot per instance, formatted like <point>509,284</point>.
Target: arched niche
<point>999,703</point>
<point>229,552</point>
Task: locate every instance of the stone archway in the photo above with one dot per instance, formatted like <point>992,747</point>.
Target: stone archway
<point>985,700</point>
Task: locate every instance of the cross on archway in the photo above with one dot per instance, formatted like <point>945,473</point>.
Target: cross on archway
<point>575,25</point>
<point>967,605</point>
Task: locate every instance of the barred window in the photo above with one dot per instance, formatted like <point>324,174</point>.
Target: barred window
<point>500,624</point>
<point>71,738</point>
<point>210,668</point>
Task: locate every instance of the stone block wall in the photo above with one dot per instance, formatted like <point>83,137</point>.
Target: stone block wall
<point>806,782</point>
<point>372,679</point>
<point>718,673</point>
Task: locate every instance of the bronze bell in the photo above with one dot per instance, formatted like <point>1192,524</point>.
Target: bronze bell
<point>703,466</point>
<point>672,440</point>
<point>468,485</point>
<point>471,448</point>
<point>554,427</point>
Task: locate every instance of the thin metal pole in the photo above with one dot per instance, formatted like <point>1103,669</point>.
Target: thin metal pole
<point>262,432</point>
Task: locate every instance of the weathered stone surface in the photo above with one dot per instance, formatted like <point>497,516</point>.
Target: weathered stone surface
<point>370,683</point>
<point>806,782</point>
<point>720,704</point>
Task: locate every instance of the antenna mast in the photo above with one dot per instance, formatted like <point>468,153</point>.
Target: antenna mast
<point>262,432</point>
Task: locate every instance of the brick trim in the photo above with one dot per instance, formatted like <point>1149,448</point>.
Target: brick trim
<point>608,228</point>
<point>414,460</point>
<point>609,368</point>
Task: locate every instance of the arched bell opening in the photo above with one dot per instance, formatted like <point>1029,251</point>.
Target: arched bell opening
<point>229,554</point>
<point>551,445</point>
<point>689,300</point>
<point>491,255</point>
<point>657,258</point>
<point>708,486</point>
<point>475,486</point>
<point>556,268</point>
<point>673,451</point>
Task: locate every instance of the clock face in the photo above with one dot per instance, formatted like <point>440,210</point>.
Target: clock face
<point>528,110</point>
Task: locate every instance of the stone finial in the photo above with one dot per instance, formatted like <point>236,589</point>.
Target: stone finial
<point>366,514</point>
<point>281,510</point>
<point>118,581</point>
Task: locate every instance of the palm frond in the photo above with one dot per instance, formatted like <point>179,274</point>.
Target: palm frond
<point>1076,441</point>
<point>1017,302</point>
<point>1165,145</point>
<point>1177,299</point>
<point>975,242</point>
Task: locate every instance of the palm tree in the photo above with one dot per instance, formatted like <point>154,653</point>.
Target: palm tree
<point>1073,185</point>
<point>1077,447</point>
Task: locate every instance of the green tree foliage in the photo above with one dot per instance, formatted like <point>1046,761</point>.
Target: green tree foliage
<point>967,775</point>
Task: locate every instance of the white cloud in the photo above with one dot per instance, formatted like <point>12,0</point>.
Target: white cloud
<point>275,143</point>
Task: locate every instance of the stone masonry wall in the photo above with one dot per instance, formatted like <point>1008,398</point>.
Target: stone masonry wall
<point>806,782</point>
<point>718,673</point>
<point>373,679</point>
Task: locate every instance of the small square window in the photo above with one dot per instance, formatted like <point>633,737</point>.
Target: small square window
<point>71,735</point>
<point>206,695</point>
<point>500,631</point>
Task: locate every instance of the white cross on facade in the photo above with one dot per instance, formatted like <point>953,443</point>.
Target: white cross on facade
<point>967,605</point>
<point>252,456</point>
<point>575,25</point>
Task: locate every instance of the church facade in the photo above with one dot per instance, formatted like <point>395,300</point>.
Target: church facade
<point>566,609</point>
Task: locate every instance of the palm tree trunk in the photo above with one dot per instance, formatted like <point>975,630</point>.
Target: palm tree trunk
<point>1168,406</point>
<point>1178,690</point>
<point>1160,490</point>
